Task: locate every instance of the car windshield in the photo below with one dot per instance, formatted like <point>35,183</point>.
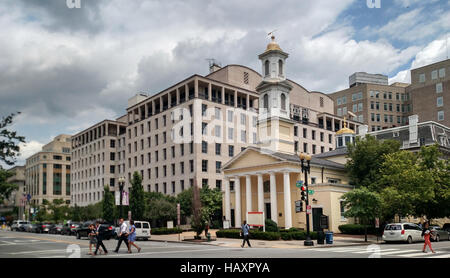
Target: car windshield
<point>393,227</point>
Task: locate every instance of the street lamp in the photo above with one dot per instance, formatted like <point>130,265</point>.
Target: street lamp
<point>121,185</point>
<point>306,169</point>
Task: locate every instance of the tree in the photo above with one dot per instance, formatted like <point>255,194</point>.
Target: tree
<point>108,205</point>
<point>363,204</point>
<point>185,200</point>
<point>9,141</point>
<point>211,200</point>
<point>366,157</point>
<point>58,210</point>
<point>137,203</point>
<point>198,223</point>
<point>6,188</point>
<point>161,211</point>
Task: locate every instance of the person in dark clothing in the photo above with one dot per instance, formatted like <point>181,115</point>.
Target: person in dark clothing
<point>123,235</point>
<point>99,235</point>
<point>426,233</point>
<point>245,229</point>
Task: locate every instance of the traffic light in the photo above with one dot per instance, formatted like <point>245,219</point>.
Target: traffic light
<point>303,192</point>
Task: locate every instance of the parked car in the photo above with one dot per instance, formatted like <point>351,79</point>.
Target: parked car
<point>439,233</point>
<point>69,228</point>
<point>43,228</point>
<point>446,227</point>
<point>25,227</point>
<point>18,225</point>
<point>406,232</point>
<point>32,228</point>
<point>55,229</point>
<point>143,229</point>
<point>106,229</point>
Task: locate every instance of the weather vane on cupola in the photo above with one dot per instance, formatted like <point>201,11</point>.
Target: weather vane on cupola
<point>272,34</point>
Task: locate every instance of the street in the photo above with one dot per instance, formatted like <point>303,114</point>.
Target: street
<point>26,245</point>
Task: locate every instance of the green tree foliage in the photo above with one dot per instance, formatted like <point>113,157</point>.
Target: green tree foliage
<point>198,223</point>
<point>363,204</point>
<point>185,200</point>
<point>366,157</point>
<point>108,205</point>
<point>161,211</point>
<point>58,210</point>
<point>211,204</point>
<point>6,188</point>
<point>9,141</point>
<point>137,202</point>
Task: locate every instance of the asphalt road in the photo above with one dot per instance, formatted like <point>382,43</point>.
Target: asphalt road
<point>29,245</point>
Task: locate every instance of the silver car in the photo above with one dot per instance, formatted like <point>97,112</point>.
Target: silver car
<point>439,234</point>
<point>406,232</point>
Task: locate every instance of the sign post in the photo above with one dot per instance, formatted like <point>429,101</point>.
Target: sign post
<point>178,218</point>
<point>308,209</point>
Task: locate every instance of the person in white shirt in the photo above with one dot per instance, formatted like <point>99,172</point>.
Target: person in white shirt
<point>123,235</point>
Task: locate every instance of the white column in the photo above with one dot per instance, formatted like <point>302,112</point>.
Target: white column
<point>273,198</point>
<point>227,199</point>
<point>237,194</point>
<point>248,193</point>
<point>260,193</point>
<point>287,201</point>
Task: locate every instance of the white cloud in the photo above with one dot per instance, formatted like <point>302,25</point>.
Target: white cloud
<point>28,149</point>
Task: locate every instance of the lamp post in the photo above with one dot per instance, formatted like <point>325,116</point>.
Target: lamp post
<point>306,169</point>
<point>121,185</point>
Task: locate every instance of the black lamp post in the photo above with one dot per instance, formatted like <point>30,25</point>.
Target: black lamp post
<point>121,185</point>
<point>306,169</point>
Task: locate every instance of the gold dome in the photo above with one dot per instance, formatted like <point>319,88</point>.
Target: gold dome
<point>273,45</point>
<point>345,130</point>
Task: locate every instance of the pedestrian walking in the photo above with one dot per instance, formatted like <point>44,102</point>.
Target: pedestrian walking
<point>123,235</point>
<point>245,234</point>
<point>132,237</point>
<point>92,238</point>
<point>99,235</point>
<point>426,233</point>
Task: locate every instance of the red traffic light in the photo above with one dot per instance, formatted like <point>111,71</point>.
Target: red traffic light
<point>303,188</point>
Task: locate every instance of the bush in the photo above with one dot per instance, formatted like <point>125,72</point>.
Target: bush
<point>254,234</point>
<point>271,226</point>
<point>233,233</point>
<point>166,231</point>
<point>356,229</point>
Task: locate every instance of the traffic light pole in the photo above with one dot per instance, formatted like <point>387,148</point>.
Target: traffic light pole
<point>306,169</point>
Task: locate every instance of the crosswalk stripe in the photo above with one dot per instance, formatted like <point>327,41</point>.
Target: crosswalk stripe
<point>374,251</point>
<point>395,252</point>
<point>334,249</point>
<point>415,254</point>
<point>442,256</point>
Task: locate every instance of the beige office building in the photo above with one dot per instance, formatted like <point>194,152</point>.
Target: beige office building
<point>47,173</point>
<point>98,159</point>
<point>430,92</point>
<point>377,105</point>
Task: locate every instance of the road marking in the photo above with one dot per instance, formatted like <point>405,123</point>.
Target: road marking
<point>416,254</point>
<point>181,251</point>
<point>441,256</point>
<point>372,251</point>
<point>43,251</point>
<point>7,242</point>
<point>338,249</point>
<point>395,252</point>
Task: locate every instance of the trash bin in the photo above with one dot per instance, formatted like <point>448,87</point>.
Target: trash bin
<point>329,237</point>
<point>320,237</point>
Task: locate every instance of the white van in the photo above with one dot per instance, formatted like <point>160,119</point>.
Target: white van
<point>143,229</point>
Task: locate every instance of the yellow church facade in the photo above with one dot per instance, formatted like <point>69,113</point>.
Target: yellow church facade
<point>264,178</point>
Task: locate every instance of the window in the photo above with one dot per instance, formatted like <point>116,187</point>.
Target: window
<point>230,133</point>
<point>243,135</point>
<point>217,130</point>
<point>230,116</point>
<point>339,101</point>
<point>266,68</point>
<point>440,101</point>
<point>439,88</point>
<point>245,77</point>
<point>313,134</point>
<point>266,101</point>
<point>204,129</point>
<point>442,73</point>
<point>217,113</point>
<point>434,74</point>
<point>360,107</point>
<point>305,133</point>
<point>344,99</point>
<point>295,130</point>
<point>230,151</point>
<point>204,108</point>
<point>218,148</point>
<point>321,101</point>
<point>339,111</point>
<point>283,102</point>
<point>440,115</point>
<point>218,166</point>
<point>422,77</point>
<point>280,67</point>
<point>243,119</point>
<point>204,165</point>
<point>219,184</point>
<point>204,147</point>
<point>191,165</point>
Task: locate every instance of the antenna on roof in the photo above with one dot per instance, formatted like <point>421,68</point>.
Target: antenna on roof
<point>213,64</point>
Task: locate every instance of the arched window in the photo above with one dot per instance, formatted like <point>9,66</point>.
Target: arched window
<point>283,102</point>
<point>266,101</point>
<point>280,67</point>
<point>266,68</point>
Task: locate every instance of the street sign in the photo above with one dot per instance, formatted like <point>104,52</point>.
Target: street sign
<point>310,192</point>
<point>308,209</point>
<point>117,198</point>
<point>298,206</point>
<point>377,222</point>
<point>299,184</point>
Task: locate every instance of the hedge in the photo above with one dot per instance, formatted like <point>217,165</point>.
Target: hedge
<point>166,231</point>
<point>291,234</point>
<point>356,229</point>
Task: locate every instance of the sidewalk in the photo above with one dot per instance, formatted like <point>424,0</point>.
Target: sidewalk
<point>338,241</point>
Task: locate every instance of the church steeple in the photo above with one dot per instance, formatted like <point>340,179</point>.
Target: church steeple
<point>275,126</point>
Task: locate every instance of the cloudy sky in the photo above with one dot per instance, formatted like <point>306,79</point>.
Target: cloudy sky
<point>66,69</point>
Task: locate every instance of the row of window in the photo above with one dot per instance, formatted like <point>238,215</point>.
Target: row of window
<point>313,148</point>
<point>388,118</point>
<point>434,75</point>
<point>87,150</point>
